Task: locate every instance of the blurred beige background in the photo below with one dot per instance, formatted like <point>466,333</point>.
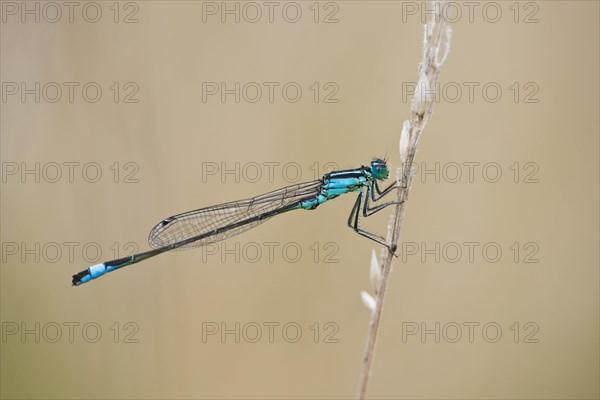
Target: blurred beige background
<point>157,156</point>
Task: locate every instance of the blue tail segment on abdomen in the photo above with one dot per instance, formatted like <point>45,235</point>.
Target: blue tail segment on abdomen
<point>98,270</point>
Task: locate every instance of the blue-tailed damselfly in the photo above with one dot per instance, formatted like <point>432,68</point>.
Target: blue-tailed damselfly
<point>213,224</point>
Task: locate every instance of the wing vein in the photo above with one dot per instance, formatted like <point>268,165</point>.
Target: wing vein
<point>241,215</point>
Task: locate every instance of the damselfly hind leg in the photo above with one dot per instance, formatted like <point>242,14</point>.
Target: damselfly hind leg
<point>353,223</point>
<point>354,218</point>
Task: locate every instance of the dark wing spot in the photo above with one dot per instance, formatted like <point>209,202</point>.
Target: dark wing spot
<point>166,221</point>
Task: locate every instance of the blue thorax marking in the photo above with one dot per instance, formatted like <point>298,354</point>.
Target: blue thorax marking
<point>338,183</point>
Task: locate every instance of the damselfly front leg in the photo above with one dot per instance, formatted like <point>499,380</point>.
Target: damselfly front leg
<point>372,189</point>
<point>381,193</point>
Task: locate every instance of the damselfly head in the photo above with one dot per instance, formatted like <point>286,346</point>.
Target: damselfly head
<point>379,169</point>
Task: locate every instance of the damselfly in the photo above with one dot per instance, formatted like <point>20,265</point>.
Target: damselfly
<point>213,224</point>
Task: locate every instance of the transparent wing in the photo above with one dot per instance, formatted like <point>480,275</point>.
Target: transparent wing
<point>241,215</point>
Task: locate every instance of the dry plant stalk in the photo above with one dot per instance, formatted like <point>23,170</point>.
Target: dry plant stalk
<point>436,45</point>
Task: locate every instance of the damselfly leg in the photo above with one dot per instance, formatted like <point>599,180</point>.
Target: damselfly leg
<point>374,194</point>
